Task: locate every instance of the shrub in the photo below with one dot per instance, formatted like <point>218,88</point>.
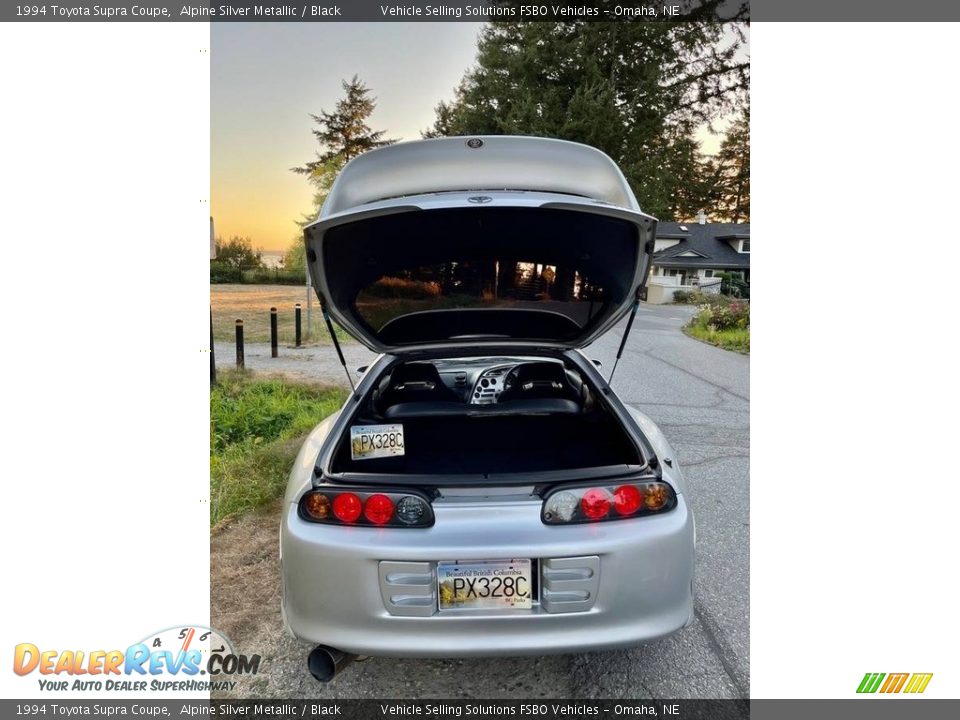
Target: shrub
<point>696,297</point>
<point>394,287</point>
<point>275,276</point>
<point>223,273</point>
<point>730,316</point>
<point>733,284</point>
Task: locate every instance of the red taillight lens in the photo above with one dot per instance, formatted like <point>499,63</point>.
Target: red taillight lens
<point>571,505</point>
<point>627,499</point>
<point>595,503</point>
<point>347,507</point>
<point>378,509</point>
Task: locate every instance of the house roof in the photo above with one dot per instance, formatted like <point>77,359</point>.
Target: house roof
<point>709,241</point>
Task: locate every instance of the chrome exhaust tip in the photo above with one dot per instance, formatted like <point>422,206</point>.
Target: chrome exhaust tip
<point>324,663</point>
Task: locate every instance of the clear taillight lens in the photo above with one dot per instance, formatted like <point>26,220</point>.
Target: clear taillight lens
<point>342,506</point>
<point>598,503</point>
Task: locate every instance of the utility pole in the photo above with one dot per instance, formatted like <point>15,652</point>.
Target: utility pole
<point>309,299</point>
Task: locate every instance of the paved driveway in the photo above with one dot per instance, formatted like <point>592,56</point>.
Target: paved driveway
<point>699,395</point>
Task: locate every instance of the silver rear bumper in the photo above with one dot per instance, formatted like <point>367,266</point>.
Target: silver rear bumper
<point>334,592</point>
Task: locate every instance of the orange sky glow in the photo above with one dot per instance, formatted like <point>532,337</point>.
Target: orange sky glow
<point>267,78</point>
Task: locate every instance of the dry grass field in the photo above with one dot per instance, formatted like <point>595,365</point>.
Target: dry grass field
<point>252,303</point>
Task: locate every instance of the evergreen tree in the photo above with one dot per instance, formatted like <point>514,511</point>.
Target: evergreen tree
<point>731,175</point>
<point>637,91</point>
<point>342,134</point>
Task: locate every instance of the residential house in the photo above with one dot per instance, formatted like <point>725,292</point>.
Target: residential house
<point>691,256</point>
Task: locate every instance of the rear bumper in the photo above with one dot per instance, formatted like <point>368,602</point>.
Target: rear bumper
<point>332,592</point>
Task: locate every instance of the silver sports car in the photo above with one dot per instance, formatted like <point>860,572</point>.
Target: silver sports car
<point>483,491</point>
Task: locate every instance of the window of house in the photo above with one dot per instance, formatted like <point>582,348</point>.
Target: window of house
<point>745,246</point>
<point>672,272</point>
<point>708,273</point>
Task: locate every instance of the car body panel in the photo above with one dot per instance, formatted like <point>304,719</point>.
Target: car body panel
<point>479,163</point>
<point>582,200</point>
<point>332,592</point>
<point>332,596</point>
<point>634,575</point>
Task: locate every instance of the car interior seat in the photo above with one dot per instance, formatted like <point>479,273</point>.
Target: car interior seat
<point>417,382</point>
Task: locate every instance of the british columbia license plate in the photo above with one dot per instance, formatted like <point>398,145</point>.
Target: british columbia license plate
<point>485,584</point>
<point>374,441</point>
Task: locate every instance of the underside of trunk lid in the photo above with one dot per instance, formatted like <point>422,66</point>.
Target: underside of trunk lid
<point>491,255</point>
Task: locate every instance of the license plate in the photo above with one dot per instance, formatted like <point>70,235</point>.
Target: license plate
<point>485,584</point>
<point>374,441</point>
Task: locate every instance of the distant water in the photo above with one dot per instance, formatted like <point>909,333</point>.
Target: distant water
<point>272,258</point>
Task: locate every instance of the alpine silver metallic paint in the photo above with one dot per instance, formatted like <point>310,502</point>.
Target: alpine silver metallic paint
<point>604,585</point>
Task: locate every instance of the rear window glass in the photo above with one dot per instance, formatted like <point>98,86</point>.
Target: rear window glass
<point>476,284</point>
<point>537,273</point>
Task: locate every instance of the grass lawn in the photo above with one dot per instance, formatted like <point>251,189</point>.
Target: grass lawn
<point>256,428</point>
<point>252,303</point>
<point>737,339</point>
<point>722,322</point>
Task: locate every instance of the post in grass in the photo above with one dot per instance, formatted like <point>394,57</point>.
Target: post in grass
<point>273,332</point>
<point>296,314</point>
<point>240,362</point>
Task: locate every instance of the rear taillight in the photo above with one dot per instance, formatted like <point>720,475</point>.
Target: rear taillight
<point>365,508</point>
<point>347,507</point>
<point>567,506</point>
<point>378,509</point>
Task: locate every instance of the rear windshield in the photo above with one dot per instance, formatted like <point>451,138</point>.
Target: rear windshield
<point>532,273</point>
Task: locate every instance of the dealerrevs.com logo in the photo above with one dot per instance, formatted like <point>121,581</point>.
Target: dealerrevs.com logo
<point>894,682</point>
<point>181,658</point>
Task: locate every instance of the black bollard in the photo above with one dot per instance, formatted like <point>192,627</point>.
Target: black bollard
<point>240,363</point>
<point>273,332</point>
<point>297,317</point>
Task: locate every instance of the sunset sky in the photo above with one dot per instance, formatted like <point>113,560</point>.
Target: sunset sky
<point>266,78</point>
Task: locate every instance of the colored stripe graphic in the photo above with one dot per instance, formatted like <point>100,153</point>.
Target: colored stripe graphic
<point>894,682</point>
<point>870,682</point>
<point>918,682</point>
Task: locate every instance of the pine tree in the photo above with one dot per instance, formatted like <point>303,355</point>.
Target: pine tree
<point>731,184</point>
<point>638,91</point>
<point>342,134</point>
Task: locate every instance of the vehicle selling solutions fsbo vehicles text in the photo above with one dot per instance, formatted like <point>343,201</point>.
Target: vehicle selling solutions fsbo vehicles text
<point>484,11</point>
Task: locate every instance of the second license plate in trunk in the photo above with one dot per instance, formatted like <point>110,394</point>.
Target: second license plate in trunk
<point>485,584</point>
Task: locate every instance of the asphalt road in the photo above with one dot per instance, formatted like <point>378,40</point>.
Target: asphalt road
<point>699,395</point>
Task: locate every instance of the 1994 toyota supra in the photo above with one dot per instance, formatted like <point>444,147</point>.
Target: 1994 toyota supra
<point>482,491</point>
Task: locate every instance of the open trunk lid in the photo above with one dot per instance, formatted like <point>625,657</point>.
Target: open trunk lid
<point>445,243</point>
